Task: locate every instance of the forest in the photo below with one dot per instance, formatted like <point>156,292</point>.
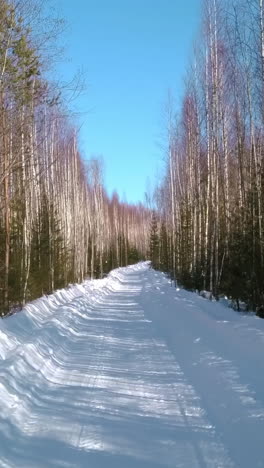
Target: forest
<point>211,198</point>
<point>204,225</point>
<point>57,224</point>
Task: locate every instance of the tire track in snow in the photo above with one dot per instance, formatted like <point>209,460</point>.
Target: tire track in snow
<point>215,361</point>
<point>96,383</point>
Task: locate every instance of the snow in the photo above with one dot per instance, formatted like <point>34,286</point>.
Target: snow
<point>129,372</point>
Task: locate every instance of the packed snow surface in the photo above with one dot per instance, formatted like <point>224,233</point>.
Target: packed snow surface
<point>129,372</point>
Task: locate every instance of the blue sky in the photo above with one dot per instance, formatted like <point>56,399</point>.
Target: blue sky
<point>131,52</point>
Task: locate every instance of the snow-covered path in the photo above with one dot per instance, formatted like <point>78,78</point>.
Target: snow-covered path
<point>128,372</point>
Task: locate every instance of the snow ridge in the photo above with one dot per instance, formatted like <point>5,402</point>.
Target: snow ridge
<point>127,371</point>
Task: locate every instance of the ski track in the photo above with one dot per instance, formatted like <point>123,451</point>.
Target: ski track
<point>129,372</point>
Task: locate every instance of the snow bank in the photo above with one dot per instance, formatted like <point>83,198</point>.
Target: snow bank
<point>129,371</point>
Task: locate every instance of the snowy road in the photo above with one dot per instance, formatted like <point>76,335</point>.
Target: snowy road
<point>128,372</point>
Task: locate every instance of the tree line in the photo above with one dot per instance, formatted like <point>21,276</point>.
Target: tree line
<point>57,224</point>
<point>211,197</point>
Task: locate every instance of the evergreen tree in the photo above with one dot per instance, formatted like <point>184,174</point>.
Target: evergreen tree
<point>154,241</point>
<point>163,245</point>
<point>133,256</point>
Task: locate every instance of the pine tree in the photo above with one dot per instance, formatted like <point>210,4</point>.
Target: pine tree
<point>154,241</point>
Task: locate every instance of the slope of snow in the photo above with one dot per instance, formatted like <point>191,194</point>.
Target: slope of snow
<point>128,372</point>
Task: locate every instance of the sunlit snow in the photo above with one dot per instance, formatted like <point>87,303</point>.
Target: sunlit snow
<point>129,372</point>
